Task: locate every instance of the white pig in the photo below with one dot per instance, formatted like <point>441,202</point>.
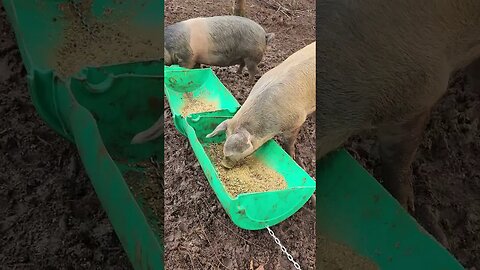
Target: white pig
<point>279,103</point>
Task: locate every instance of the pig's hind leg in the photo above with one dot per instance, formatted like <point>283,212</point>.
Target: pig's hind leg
<point>252,66</point>
<point>240,68</point>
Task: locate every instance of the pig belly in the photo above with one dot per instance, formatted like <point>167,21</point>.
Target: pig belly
<point>218,60</point>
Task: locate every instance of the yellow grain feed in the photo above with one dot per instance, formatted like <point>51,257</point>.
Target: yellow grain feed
<point>251,175</point>
<point>196,105</point>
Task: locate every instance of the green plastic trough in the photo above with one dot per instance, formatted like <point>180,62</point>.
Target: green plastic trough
<point>251,211</point>
<point>99,109</point>
<point>352,207</point>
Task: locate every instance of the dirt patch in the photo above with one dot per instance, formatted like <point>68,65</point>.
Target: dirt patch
<point>113,40</point>
<point>332,255</point>
<point>147,186</point>
<point>198,232</point>
<point>251,175</point>
<point>197,105</point>
<point>50,217</point>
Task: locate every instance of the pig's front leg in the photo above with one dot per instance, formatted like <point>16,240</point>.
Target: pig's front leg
<point>398,146</point>
<point>290,139</point>
<point>473,75</point>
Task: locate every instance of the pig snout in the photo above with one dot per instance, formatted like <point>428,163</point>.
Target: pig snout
<point>238,144</point>
<point>228,163</point>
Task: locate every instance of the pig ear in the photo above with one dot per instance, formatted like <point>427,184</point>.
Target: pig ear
<point>221,127</point>
<point>151,133</point>
<point>247,135</point>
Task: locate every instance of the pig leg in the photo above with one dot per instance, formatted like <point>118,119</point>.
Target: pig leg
<point>239,8</point>
<point>291,138</point>
<point>473,75</point>
<point>252,67</point>
<point>240,68</point>
<point>398,146</point>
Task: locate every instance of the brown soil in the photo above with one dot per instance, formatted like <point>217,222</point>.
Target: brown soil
<point>251,175</point>
<point>148,187</point>
<point>114,40</point>
<point>333,256</point>
<point>198,232</point>
<point>197,105</point>
<point>50,217</point>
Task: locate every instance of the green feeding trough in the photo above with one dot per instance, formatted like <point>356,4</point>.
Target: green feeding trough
<point>353,209</point>
<point>99,107</point>
<point>251,211</point>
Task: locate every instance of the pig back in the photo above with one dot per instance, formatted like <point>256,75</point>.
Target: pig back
<point>382,61</point>
<point>283,97</point>
<point>234,38</point>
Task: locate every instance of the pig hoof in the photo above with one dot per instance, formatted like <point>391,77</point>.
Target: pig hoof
<point>313,199</point>
<point>301,163</point>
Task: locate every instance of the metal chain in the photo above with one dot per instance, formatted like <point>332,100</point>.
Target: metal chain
<point>284,250</point>
<point>82,18</point>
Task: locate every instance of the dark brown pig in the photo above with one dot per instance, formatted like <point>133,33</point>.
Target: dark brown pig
<point>217,41</point>
<point>383,65</point>
<point>279,103</point>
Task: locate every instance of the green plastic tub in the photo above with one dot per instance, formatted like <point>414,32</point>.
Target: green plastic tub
<point>251,211</point>
<point>99,109</point>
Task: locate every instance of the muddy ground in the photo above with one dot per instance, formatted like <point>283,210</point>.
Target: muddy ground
<point>50,217</point>
<point>198,233</point>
